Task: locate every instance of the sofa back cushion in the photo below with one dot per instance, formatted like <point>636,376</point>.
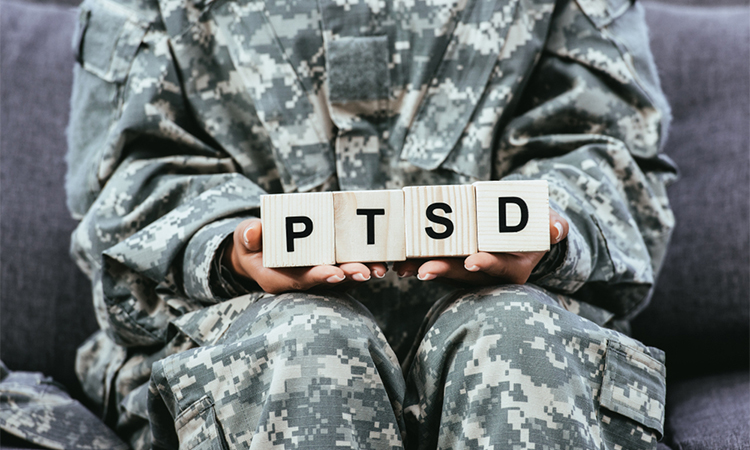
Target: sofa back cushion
<point>700,312</point>
<point>45,301</point>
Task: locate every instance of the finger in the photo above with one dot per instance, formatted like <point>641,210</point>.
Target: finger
<point>355,271</point>
<point>251,235</point>
<point>494,264</point>
<point>508,267</point>
<point>377,270</point>
<point>407,268</point>
<point>323,275</point>
<point>276,281</point>
<point>451,269</point>
<point>437,268</point>
<point>558,227</point>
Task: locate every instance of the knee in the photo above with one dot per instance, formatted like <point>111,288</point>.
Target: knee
<point>511,317</point>
<point>313,323</point>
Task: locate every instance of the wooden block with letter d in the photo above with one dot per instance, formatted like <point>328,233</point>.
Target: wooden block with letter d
<point>440,221</point>
<point>298,229</point>
<point>512,216</point>
<point>369,226</point>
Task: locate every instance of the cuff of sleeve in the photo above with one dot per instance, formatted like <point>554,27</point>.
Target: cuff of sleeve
<point>568,264</point>
<point>224,284</point>
<point>202,272</point>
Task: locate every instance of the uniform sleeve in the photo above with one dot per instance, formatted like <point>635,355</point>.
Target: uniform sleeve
<point>591,121</point>
<point>155,195</point>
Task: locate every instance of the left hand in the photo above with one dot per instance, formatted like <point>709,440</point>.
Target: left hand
<point>484,268</point>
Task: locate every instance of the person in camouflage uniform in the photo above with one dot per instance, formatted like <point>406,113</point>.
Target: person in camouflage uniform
<point>185,111</point>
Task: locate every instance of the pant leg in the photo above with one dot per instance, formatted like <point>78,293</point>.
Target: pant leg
<point>509,368</point>
<point>294,370</point>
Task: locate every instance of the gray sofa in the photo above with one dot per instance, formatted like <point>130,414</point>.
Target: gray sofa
<point>699,314</point>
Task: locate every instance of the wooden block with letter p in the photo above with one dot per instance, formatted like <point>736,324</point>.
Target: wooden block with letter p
<point>298,229</point>
<point>440,221</point>
<point>512,216</point>
<point>369,226</point>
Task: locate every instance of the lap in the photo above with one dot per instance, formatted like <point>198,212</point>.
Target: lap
<point>280,368</point>
<point>546,374</point>
<point>510,358</point>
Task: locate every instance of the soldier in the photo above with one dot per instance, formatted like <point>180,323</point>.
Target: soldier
<point>184,112</point>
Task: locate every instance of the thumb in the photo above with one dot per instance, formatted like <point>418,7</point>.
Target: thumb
<point>558,227</point>
<point>251,235</point>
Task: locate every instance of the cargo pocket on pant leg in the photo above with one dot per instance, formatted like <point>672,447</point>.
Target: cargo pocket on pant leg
<point>632,397</point>
<point>198,429</point>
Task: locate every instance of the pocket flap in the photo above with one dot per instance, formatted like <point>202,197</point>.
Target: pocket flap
<point>603,12</point>
<point>634,385</point>
<point>459,81</point>
<point>106,41</point>
<point>197,427</point>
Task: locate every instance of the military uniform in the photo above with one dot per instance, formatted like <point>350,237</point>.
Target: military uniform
<point>185,111</point>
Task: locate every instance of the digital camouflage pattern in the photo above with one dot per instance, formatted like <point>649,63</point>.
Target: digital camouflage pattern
<point>185,111</point>
<point>35,408</point>
<point>510,367</point>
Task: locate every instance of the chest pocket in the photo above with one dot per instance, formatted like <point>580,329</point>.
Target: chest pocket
<point>459,82</point>
<point>106,41</point>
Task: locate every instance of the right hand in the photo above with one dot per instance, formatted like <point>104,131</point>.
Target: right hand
<point>245,259</point>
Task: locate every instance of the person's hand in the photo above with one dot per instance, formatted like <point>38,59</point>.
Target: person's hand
<point>484,268</point>
<point>245,258</point>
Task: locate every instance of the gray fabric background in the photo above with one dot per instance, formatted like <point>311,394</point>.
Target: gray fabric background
<point>45,304</point>
<point>703,295</point>
<point>709,413</point>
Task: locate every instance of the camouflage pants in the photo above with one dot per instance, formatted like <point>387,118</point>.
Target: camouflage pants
<point>504,367</point>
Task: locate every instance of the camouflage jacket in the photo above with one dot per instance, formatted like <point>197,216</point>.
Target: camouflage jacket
<point>185,111</point>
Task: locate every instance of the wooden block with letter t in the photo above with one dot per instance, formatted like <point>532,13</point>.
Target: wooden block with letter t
<point>512,216</point>
<point>298,229</point>
<point>440,221</point>
<point>369,226</point>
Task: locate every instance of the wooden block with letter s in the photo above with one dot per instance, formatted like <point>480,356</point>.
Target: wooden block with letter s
<point>369,226</point>
<point>512,216</point>
<point>440,221</point>
<point>298,229</point>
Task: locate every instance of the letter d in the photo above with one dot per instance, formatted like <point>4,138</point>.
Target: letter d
<point>504,227</point>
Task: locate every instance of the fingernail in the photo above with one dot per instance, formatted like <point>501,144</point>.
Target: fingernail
<point>406,274</point>
<point>426,277</point>
<point>359,277</point>
<point>473,268</point>
<point>245,239</point>
<point>378,275</point>
<point>559,227</point>
<point>335,279</point>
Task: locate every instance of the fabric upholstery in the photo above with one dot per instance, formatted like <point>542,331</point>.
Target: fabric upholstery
<point>703,2</point>
<point>46,307</point>
<point>703,295</point>
<point>709,413</point>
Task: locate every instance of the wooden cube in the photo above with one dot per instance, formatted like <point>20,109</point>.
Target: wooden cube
<point>369,226</point>
<point>298,229</point>
<point>440,221</point>
<point>512,216</point>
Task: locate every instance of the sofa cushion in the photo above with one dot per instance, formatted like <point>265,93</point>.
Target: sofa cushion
<point>709,413</point>
<point>46,309</point>
<point>700,312</point>
<point>688,2</point>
